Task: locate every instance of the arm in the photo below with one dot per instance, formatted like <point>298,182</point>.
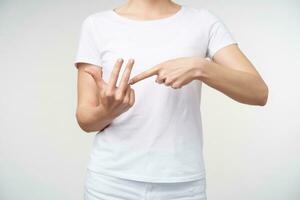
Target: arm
<point>100,102</point>
<point>88,112</point>
<point>230,72</point>
<point>233,74</point>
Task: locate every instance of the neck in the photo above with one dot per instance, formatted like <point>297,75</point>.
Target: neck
<point>155,6</point>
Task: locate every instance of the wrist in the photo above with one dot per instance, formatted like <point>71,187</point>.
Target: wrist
<point>201,66</point>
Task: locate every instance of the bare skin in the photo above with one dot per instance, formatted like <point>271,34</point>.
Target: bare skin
<point>229,72</point>
<point>91,114</point>
<point>139,9</point>
<point>100,102</point>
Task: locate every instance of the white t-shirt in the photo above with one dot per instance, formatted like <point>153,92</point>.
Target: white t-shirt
<point>159,139</point>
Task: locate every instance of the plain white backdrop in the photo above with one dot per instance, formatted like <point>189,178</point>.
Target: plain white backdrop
<point>251,152</point>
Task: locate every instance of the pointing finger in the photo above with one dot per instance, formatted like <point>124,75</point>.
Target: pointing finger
<point>152,71</point>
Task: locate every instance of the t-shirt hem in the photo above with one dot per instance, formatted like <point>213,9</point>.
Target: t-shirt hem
<point>198,176</point>
<point>89,61</point>
<point>219,47</point>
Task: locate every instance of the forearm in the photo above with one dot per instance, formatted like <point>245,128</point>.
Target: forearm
<point>92,118</point>
<point>241,86</point>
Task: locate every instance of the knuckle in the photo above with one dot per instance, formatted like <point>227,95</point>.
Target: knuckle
<point>119,97</point>
<point>168,80</point>
<point>102,93</point>
<point>130,104</point>
<point>127,105</point>
<point>109,93</point>
<point>161,73</point>
<point>126,101</point>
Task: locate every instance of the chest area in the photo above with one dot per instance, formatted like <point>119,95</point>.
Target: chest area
<point>149,46</point>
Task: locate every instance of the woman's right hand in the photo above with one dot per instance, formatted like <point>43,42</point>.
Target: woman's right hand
<point>113,100</point>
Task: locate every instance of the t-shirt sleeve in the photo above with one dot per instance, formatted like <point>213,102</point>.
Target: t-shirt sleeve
<point>219,35</point>
<point>87,51</point>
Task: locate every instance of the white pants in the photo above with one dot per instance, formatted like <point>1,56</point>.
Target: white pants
<point>102,187</point>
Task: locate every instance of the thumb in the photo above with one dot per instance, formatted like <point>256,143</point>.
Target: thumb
<point>96,73</point>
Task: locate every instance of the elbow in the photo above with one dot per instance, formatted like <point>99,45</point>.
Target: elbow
<point>263,97</point>
<point>83,122</point>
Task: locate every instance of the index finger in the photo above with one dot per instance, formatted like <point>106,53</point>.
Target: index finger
<point>115,73</point>
<point>126,75</point>
<point>150,72</point>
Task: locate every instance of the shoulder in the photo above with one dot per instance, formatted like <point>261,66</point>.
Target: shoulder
<point>96,16</point>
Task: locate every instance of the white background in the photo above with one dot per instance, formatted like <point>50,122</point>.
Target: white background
<point>251,152</point>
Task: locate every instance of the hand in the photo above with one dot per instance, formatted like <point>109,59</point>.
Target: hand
<point>175,72</point>
<point>114,100</point>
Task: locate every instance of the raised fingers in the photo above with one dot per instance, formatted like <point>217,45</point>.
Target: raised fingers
<point>126,75</point>
<point>115,74</point>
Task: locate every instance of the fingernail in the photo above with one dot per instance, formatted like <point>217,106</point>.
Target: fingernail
<point>131,60</point>
<point>120,59</point>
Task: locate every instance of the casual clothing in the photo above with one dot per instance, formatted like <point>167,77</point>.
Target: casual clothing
<point>105,187</point>
<point>159,139</point>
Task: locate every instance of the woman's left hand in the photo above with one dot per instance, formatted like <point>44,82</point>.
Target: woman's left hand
<point>174,72</point>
